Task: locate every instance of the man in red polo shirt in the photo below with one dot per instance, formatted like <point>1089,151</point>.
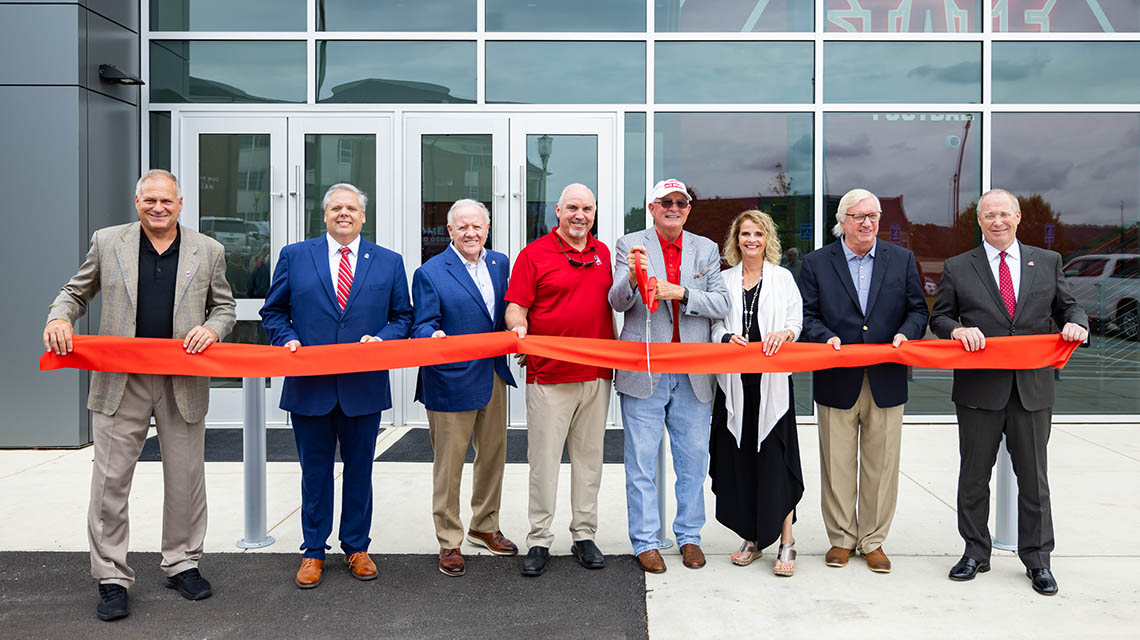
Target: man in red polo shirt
<point>558,288</point>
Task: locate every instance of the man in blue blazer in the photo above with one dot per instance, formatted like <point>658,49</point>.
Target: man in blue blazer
<point>456,292</point>
<point>860,290</point>
<point>335,289</point>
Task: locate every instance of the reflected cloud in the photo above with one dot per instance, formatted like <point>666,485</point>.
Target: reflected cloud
<point>961,73</point>
<point>858,148</point>
<point>1008,71</point>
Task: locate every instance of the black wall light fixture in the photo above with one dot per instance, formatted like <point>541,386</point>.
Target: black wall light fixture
<point>114,75</point>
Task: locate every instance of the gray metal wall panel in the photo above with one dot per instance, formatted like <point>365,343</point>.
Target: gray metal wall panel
<point>110,43</point>
<point>125,12</point>
<point>112,127</point>
<point>30,56</point>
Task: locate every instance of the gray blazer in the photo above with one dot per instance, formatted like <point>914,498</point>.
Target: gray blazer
<point>201,297</point>
<point>708,301</point>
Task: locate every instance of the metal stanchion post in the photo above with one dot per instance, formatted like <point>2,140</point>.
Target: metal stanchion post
<point>253,464</point>
<point>1006,530</point>
<point>663,531</point>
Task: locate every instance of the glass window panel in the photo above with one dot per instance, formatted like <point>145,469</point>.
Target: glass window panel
<point>453,167</point>
<point>1036,16</point>
<point>925,170</point>
<point>734,72</point>
<point>234,201</point>
<point>552,162</point>
<point>332,158</point>
<point>226,71</point>
<point>734,15</point>
<point>227,15</point>
<point>160,140</point>
<point>879,72</point>
<point>566,72</point>
<point>635,182</point>
<point>1074,72</point>
<point>370,15</point>
<point>559,15</point>
<point>903,16</point>
<point>1077,177</point>
<point>409,71</point>
<point>733,162</point>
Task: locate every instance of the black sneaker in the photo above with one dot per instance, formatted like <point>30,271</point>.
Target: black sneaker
<point>534,564</point>
<point>190,584</point>
<point>112,602</point>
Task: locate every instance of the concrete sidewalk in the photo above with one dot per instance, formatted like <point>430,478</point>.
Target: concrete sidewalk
<point>1095,479</point>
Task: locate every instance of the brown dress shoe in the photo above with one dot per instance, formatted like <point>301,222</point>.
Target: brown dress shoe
<point>651,561</point>
<point>451,563</point>
<point>878,561</point>
<point>494,542</point>
<point>692,556</point>
<point>362,566</point>
<point>309,575</point>
<point>837,556</point>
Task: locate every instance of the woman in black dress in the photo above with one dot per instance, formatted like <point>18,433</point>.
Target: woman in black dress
<point>755,453</point>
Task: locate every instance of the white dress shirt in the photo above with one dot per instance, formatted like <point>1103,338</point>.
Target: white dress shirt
<point>1012,259</point>
<point>481,276</point>
<point>334,256</point>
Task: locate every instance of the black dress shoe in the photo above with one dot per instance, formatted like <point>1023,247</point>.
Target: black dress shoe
<point>967,568</point>
<point>534,564</point>
<point>588,554</point>
<point>112,602</point>
<point>190,584</point>
<point>1043,581</point>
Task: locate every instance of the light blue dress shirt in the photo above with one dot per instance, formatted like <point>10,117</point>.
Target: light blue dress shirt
<point>861,269</point>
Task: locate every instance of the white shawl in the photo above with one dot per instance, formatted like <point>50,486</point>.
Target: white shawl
<point>780,307</point>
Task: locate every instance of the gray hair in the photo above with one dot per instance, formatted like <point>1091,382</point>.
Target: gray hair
<point>850,199</point>
<point>1000,192</point>
<point>157,173</point>
<point>468,202</point>
<point>344,186</point>
<point>573,185</point>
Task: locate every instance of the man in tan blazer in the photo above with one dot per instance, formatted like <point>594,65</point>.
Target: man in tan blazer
<point>159,280</point>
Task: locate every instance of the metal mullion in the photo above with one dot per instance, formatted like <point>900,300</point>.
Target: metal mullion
<point>741,107</point>
<point>311,52</point>
<point>986,129</point>
<point>650,139</point>
<point>1066,37</point>
<point>227,35</point>
<point>1038,107</point>
<point>714,36</point>
<point>650,102</point>
<point>563,36</point>
<point>817,151</point>
<point>144,90</point>
<point>481,52</point>
<point>397,35</point>
<point>872,36</point>
<point>890,107</point>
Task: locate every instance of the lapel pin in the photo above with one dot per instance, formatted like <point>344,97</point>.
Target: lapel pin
<point>1029,264</point>
<point>366,256</point>
<point>492,262</point>
<point>187,274</point>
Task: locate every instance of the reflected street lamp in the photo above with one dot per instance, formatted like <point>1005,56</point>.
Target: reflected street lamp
<point>545,147</point>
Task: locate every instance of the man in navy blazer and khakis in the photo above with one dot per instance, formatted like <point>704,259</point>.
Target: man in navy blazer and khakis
<point>338,288</point>
<point>456,292</point>
<point>860,290</point>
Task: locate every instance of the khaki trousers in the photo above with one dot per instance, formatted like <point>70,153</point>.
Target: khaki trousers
<point>859,462</point>
<point>450,432</point>
<point>119,439</point>
<point>572,413</point>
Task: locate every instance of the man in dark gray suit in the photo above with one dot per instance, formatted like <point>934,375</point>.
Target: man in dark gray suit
<point>1004,288</point>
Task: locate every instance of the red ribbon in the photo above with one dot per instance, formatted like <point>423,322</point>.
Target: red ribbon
<point>224,359</point>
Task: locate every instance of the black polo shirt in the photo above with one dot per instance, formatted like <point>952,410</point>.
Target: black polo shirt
<point>157,276</point>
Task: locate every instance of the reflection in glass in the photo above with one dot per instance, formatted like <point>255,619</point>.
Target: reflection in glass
<point>734,72</point>
<point>160,140</point>
<point>558,15</point>
<point>226,71</point>
<point>1105,16</point>
<point>396,71</point>
<point>732,162</point>
<point>234,205</point>
<point>876,72</point>
<point>332,158</point>
<point>903,16</point>
<point>245,332</point>
<point>453,167</point>
<point>369,15</point>
<point>925,169</point>
<point>734,15</point>
<point>552,162</point>
<point>635,182</point>
<point>1072,72</point>
<point>226,15</point>
<point>566,72</point>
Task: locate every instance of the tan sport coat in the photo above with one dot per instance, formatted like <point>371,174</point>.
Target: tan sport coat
<point>201,297</point>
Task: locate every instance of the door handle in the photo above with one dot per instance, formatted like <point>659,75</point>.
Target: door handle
<point>495,192</point>
<point>520,193</point>
<point>272,174</point>
<point>296,190</point>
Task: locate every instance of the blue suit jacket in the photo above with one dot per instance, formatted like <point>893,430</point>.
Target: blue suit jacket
<point>301,305</point>
<point>447,298</point>
<point>895,304</point>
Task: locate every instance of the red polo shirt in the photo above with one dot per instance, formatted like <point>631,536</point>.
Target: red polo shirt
<point>672,253</point>
<point>564,300</point>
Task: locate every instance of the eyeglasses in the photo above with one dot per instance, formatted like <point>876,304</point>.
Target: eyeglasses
<point>574,262</point>
<point>859,218</point>
<point>669,204</point>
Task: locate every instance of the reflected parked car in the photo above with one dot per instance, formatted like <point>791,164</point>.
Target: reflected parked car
<point>1107,286</point>
<point>231,232</point>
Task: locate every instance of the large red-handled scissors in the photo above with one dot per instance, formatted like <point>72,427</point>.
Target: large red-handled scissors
<point>647,286</point>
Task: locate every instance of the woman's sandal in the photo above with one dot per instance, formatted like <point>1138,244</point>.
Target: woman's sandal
<point>746,554</point>
<point>785,560</point>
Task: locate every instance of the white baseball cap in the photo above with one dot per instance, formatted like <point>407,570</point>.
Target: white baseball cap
<point>670,185</point>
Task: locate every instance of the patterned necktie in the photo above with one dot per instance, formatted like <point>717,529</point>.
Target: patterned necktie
<point>343,279</point>
<point>1005,281</point>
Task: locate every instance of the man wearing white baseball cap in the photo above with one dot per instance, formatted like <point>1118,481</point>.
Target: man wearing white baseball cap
<point>687,267</point>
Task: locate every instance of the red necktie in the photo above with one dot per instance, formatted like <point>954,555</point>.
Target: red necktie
<point>344,279</point>
<point>1005,281</point>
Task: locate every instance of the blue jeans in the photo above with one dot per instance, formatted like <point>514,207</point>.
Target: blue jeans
<point>672,406</point>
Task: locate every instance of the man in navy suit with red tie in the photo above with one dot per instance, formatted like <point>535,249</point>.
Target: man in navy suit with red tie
<point>336,289</point>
